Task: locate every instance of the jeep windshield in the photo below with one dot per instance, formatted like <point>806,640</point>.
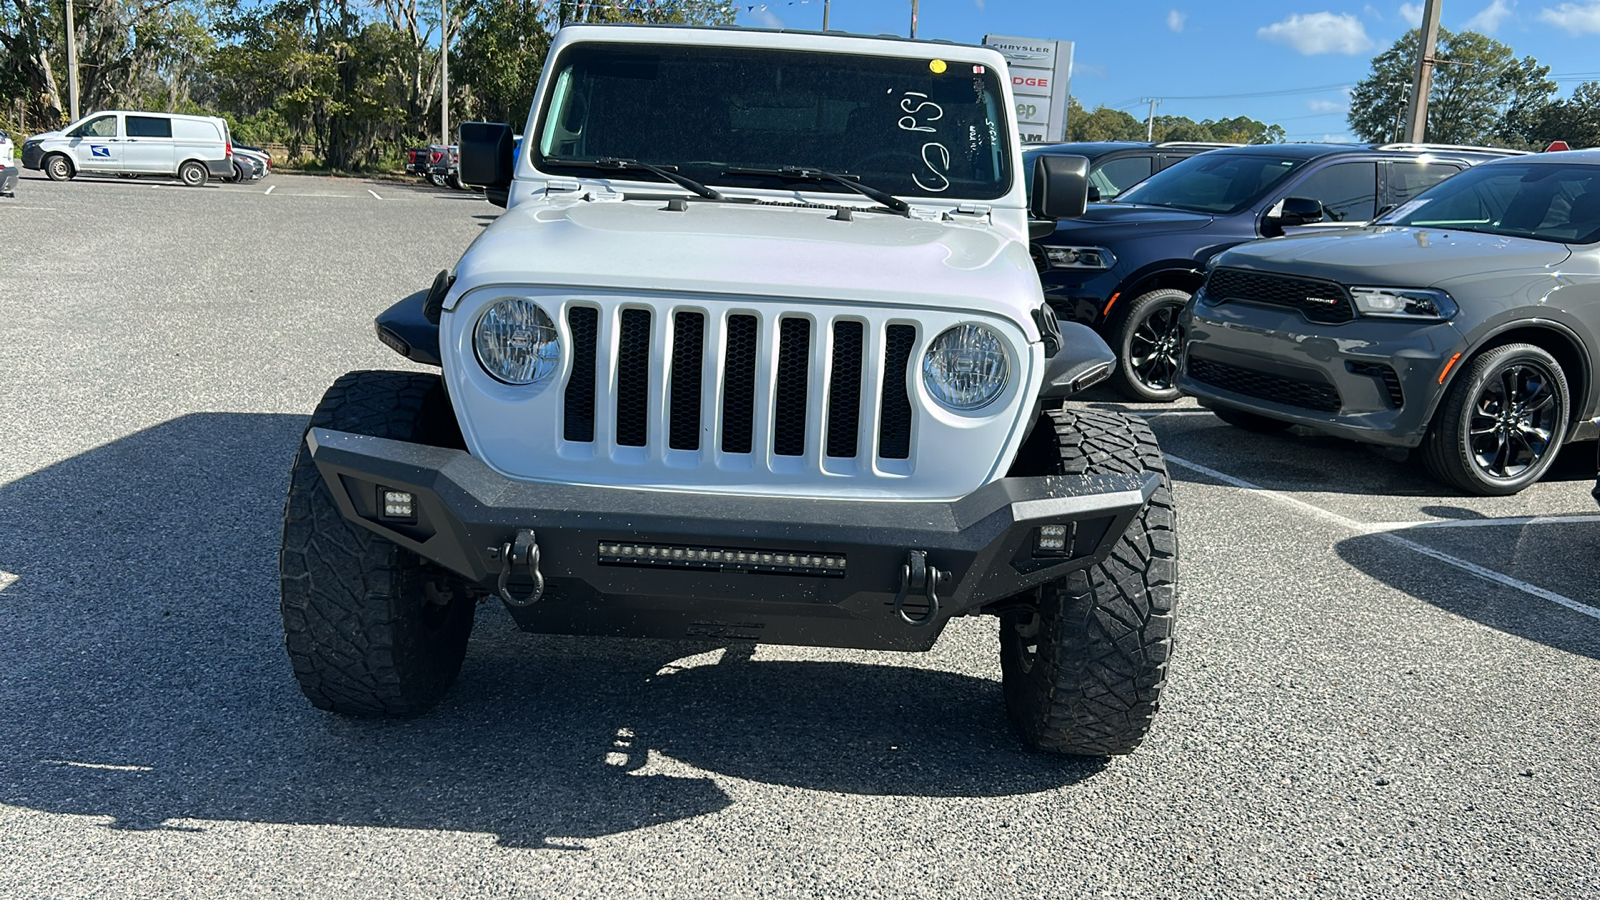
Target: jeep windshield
<point>1218,182</point>
<point>736,116</point>
<point>1539,200</point>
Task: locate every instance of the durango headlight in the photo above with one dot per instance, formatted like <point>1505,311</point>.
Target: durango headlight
<point>1080,257</point>
<point>516,342</point>
<point>966,367</point>
<point>1403,303</point>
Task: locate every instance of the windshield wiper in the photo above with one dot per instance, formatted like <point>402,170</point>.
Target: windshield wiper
<point>801,173</point>
<point>633,165</point>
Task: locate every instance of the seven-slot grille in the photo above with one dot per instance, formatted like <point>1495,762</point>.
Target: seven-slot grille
<point>1318,300</point>
<point>798,355</point>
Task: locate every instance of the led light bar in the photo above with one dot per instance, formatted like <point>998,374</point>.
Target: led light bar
<point>722,559</point>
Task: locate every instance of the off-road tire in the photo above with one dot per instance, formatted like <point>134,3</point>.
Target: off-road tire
<point>58,168</point>
<point>1446,448</point>
<point>193,174</point>
<point>1250,421</point>
<point>1141,333</point>
<point>1083,673</point>
<point>371,628</point>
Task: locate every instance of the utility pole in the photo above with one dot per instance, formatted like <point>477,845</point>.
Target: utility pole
<point>1422,81</point>
<point>825,5</point>
<point>913,19</point>
<point>72,64</point>
<point>1150,123</point>
<point>444,73</point>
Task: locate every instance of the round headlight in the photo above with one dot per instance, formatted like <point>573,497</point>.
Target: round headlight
<point>516,342</point>
<point>966,367</point>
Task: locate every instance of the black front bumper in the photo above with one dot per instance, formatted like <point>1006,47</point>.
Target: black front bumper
<point>466,513</point>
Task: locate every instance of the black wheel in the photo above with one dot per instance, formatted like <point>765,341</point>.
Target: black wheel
<point>371,629</point>
<point>193,174</point>
<point>1249,421</point>
<point>239,175</point>
<point>1149,346</point>
<point>436,180</point>
<point>1084,669</point>
<point>59,168</point>
<point>1502,422</point>
<point>454,180</point>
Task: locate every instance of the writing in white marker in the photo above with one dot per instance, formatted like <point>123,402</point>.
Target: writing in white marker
<point>937,158</point>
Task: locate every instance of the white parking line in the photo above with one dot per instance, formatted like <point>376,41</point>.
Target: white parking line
<point>271,189</point>
<point>374,194</point>
<point>1488,523</point>
<point>1382,531</point>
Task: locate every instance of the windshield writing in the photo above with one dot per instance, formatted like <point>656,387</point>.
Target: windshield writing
<point>914,127</point>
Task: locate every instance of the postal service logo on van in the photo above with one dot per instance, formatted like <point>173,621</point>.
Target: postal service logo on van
<point>102,152</point>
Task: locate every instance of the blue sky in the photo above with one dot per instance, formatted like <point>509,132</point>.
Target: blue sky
<point>1200,57</point>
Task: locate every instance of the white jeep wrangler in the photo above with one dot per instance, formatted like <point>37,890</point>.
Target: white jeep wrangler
<point>756,353</point>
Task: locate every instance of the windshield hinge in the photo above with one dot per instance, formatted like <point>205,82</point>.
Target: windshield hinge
<point>562,185</point>
<point>974,209</point>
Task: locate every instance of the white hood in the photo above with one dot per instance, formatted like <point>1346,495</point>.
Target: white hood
<point>750,250</point>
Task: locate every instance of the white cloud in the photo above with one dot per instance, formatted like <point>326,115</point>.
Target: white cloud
<point>766,18</point>
<point>1491,17</point>
<point>1411,14</point>
<point>1176,20</point>
<point>1576,18</point>
<point>1317,33</point>
<point>1083,68</point>
<point>1328,106</point>
<point>982,5</point>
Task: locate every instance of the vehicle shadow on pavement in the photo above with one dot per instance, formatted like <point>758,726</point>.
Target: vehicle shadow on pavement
<point>142,678</point>
<point>1503,608</point>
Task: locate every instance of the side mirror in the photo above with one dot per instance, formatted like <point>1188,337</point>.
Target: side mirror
<point>486,158</point>
<point>1060,187</point>
<point>1299,211</point>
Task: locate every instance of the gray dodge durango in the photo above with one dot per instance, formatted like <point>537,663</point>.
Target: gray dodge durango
<point>1465,323</point>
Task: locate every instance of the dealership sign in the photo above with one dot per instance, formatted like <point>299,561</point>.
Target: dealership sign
<point>1040,78</point>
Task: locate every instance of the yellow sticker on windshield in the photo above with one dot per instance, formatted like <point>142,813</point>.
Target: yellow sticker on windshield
<point>938,66</point>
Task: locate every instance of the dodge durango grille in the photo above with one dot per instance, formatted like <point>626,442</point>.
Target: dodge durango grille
<point>1321,397</point>
<point>1318,300</point>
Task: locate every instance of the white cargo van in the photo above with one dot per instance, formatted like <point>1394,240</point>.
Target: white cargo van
<point>118,142</point>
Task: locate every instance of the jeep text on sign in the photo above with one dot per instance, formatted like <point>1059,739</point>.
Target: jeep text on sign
<point>1040,80</point>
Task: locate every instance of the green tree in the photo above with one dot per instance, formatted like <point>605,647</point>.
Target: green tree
<point>502,54</point>
<point>1482,94</point>
<point>1575,120</point>
<point>1104,124</point>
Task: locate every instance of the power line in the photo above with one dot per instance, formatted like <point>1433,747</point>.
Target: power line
<point>1283,93</point>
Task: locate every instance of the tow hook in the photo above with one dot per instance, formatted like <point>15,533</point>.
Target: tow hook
<point>917,578</point>
<point>522,551</point>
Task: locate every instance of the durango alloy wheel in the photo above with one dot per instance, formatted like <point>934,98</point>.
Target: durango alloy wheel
<point>1502,422</point>
<point>1149,347</point>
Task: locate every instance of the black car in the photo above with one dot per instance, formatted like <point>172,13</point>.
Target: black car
<point>1115,166</point>
<point>1127,268</point>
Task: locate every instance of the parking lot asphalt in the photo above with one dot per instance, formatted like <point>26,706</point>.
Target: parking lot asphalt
<point>1381,688</point>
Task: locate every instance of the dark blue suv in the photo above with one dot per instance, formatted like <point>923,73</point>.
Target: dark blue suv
<point>1127,268</point>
